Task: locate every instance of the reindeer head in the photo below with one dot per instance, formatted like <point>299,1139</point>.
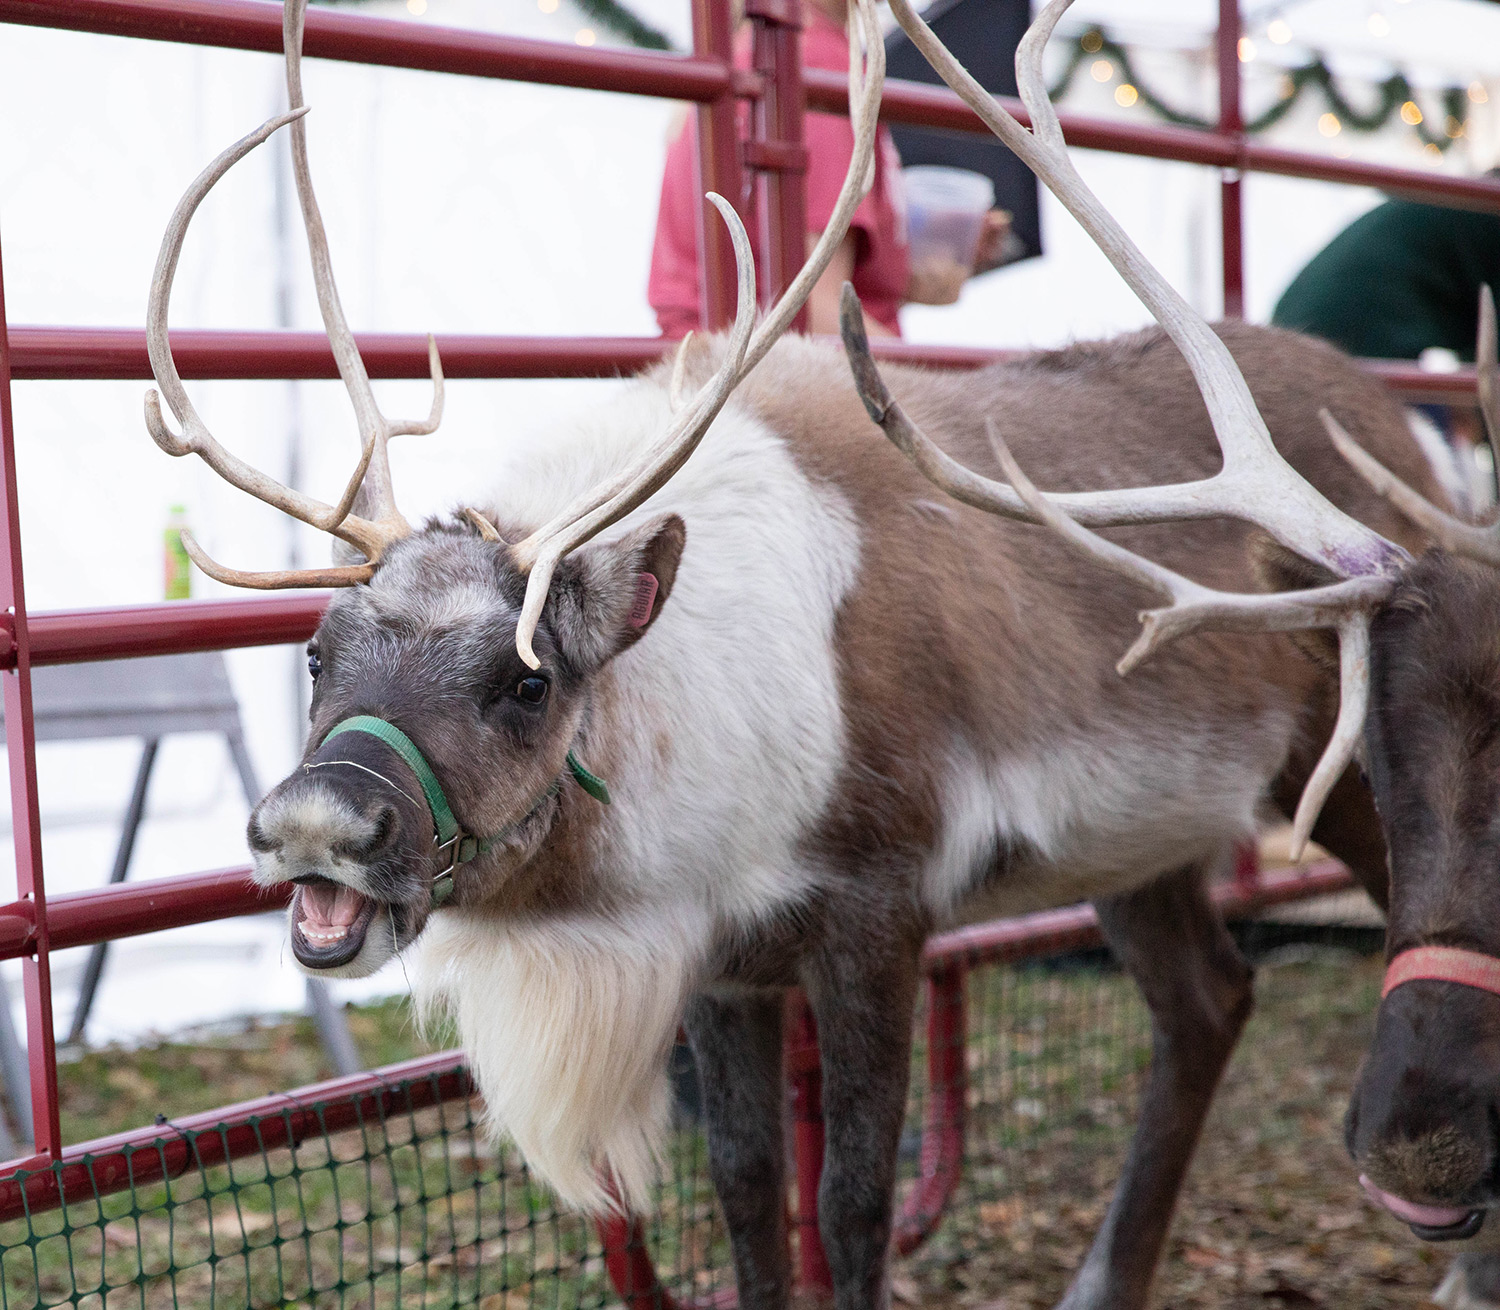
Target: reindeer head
<point>454,674</point>
<point>1423,1122</point>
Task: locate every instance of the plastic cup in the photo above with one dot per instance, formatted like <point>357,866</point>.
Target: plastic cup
<point>945,209</point>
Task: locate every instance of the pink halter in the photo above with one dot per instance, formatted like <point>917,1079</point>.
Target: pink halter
<point>1443,964</point>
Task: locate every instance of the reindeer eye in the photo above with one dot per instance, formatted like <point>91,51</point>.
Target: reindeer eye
<point>532,690</point>
<point>314,664</point>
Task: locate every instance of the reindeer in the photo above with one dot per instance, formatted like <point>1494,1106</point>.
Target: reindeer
<point>640,740</point>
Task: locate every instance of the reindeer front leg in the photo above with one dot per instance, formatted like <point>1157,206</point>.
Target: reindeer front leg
<point>1171,941</point>
<point>862,986</point>
<point>736,1041</point>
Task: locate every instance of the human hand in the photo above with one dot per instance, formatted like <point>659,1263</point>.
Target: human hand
<point>992,252</point>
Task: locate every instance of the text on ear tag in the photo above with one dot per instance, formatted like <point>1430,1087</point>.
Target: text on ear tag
<point>645,597</point>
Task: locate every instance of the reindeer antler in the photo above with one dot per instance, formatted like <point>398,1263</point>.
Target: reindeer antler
<point>539,554</point>
<point>370,485</point>
<point>1255,484</point>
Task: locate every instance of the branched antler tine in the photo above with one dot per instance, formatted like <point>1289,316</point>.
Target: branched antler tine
<point>1450,532</point>
<point>1354,700</point>
<point>539,554</point>
<point>373,425</point>
<point>346,576</point>
<point>676,392</point>
<point>866,79</point>
<point>1487,371</point>
<point>158,347</point>
<point>1195,606</point>
<point>423,427</point>
<point>196,438</point>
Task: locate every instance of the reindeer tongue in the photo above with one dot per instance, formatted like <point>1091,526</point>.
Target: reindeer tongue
<point>1426,1216</point>
<point>328,910</point>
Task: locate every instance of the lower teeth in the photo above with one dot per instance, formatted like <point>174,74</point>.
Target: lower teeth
<point>322,935</point>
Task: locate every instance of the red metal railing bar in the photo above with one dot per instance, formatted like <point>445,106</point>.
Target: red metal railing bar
<point>928,106</point>
<point>171,628</point>
<point>1231,189</point>
<point>943,1111</point>
<point>283,1119</point>
<point>119,354</point>
<point>1052,932</point>
<point>26,825</point>
<point>804,1080</point>
<point>777,145</point>
<point>96,354</point>
<point>718,163</point>
<point>133,909</point>
<point>363,39</point>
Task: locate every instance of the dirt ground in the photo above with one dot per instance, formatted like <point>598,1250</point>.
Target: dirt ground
<point>1272,1215</point>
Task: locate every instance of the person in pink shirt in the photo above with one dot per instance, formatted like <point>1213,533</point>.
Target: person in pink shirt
<point>874,254</point>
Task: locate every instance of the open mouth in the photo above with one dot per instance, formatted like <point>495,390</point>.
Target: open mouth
<point>1432,1223</point>
<point>329,923</point>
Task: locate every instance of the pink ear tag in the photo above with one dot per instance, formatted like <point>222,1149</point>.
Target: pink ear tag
<point>645,598</point>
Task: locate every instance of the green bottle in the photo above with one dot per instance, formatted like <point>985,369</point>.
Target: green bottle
<point>177,568</point>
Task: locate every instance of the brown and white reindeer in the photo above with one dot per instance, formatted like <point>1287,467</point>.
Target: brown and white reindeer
<point>833,709</point>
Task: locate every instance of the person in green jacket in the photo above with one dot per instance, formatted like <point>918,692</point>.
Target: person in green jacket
<point>1400,279</point>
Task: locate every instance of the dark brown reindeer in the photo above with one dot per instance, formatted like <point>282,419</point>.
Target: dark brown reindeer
<point>1424,1122</point>
<point>833,710</point>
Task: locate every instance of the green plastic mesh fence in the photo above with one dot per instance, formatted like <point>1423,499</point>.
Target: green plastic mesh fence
<point>408,1206</point>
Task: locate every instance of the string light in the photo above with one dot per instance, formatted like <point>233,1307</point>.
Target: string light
<point>1280,31</point>
<point>1108,61</point>
<point>1380,25</point>
<point>1247,49</point>
<point>584,36</point>
<point>547,6</point>
<point>417,7</point>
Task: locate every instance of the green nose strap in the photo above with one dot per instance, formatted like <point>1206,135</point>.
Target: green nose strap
<point>443,821</point>
<point>442,813</point>
<point>464,847</point>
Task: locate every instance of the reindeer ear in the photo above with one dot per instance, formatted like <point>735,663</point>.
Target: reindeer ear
<point>607,594</point>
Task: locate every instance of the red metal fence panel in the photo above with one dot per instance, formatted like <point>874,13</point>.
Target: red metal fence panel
<point>778,91</point>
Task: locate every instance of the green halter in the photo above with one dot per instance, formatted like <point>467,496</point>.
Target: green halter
<point>450,837</point>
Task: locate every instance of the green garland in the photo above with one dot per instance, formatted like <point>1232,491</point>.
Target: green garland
<point>1394,92</point>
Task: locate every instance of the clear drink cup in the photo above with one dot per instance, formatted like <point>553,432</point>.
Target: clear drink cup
<point>945,209</point>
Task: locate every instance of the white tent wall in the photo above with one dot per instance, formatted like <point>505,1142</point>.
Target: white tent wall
<point>453,205</point>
